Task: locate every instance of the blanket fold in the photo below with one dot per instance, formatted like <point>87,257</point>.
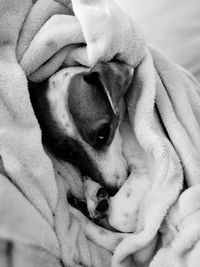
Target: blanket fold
<point>38,227</point>
<point>69,40</point>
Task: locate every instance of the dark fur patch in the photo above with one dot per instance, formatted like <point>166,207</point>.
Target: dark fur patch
<point>89,107</point>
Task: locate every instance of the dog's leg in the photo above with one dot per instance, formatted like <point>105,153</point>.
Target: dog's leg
<point>125,207</point>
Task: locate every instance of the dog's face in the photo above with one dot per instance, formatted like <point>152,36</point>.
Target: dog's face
<point>79,117</point>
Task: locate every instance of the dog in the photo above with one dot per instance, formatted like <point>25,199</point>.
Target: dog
<point>79,110</point>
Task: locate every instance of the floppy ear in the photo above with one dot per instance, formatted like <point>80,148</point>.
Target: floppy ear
<point>114,77</point>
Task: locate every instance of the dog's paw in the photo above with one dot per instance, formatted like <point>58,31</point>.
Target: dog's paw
<point>102,202</point>
<point>97,199</point>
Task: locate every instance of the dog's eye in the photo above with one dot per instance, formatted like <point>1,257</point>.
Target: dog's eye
<point>102,136</point>
<point>70,154</point>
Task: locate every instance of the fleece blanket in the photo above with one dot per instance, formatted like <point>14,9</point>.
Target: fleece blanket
<point>37,226</point>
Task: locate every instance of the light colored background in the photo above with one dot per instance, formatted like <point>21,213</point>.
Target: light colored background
<point>172,25</point>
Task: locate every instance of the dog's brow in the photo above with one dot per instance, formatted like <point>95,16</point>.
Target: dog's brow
<point>59,111</point>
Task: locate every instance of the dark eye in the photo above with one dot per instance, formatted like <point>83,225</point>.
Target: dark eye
<point>102,136</point>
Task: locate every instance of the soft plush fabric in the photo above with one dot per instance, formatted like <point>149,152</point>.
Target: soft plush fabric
<point>49,49</point>
<point>38,227</point>
<point>168,131</point>
<point>171,25</point>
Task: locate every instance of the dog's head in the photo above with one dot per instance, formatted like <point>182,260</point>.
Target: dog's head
<point>78,111</point>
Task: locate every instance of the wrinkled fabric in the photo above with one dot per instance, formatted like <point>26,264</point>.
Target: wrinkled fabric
<point>38,227</point>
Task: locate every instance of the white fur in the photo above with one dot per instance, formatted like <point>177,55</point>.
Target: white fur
<point>58,93</point>
<point>112,163</point>
<point>90,189</point>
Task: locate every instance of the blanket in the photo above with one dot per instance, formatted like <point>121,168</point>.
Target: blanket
<point>38,227</point>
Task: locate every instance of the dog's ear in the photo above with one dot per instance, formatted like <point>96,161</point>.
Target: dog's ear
<point>114,78</point>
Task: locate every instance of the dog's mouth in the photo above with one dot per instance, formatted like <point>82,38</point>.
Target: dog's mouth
<point>90,169</point>
<point>109,188</point>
